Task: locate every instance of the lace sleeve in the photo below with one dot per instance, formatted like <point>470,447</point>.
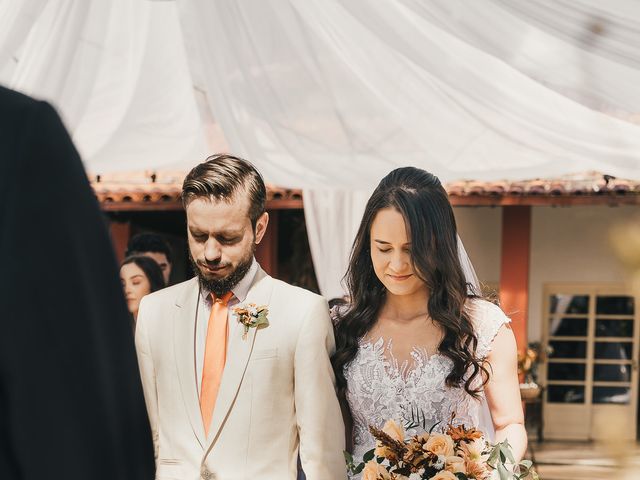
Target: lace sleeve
<point>487,319</point>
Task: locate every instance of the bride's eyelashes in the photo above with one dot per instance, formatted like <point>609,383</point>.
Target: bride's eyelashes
<point>388,250</point>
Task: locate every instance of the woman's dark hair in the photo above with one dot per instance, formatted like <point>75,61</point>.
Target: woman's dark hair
<point>423,202</point>
<point>150,268</point>
<point>149,242</point>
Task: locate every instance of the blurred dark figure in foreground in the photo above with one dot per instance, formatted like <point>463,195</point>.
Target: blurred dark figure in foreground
<point>154,246</point>
<point>71,404</point>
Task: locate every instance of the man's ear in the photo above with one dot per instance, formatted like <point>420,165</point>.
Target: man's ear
<point>261,226</point>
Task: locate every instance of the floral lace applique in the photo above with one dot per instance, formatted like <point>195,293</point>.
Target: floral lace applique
<point>380,388</point>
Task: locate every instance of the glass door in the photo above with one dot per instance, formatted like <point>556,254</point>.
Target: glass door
<point>614,388</point>
<point>590,374</point>
<point>567,406</point>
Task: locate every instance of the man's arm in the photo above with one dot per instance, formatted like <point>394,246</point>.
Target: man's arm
<point>317,409</point>
<point>147,372</point>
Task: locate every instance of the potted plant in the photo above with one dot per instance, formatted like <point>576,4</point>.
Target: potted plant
<point>528,371</point>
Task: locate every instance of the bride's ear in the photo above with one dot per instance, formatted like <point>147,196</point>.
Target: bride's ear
<point>261,227</point>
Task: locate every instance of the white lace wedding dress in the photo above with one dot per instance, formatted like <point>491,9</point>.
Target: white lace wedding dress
<point>380,388</point>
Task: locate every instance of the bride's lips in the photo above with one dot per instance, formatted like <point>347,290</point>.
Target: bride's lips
<point>399,278</point>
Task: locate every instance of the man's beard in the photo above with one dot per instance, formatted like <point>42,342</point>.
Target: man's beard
<point>220,286</point>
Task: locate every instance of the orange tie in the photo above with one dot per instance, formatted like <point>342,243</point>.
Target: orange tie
<point>215,356</point>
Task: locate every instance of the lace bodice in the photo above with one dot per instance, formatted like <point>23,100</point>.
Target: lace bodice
<point>380,388</point>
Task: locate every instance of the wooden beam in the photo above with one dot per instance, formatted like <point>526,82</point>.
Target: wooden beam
<point>479,200</point>
<point>285,204</point>
<point>141,206</point>
<point>267,251</point>
<point>120,235</point>
<point>611,200</point>
<point>174,206</point>
<point>514,270</point>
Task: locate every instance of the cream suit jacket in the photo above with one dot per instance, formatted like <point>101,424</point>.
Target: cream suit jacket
<point>276,397</point>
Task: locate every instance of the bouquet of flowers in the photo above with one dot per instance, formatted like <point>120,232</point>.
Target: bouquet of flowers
<point>456,453</point>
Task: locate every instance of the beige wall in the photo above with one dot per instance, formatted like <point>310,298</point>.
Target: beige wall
<point>571,245</point>
<point>480,229</point>
<point>568,245</point>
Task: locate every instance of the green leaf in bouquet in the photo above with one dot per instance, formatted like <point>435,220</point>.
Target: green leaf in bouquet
<point>408,425</point>
<point>358,469</point>
<point>433,427</point>
<point>461,476</point>
<point>503,473</point>
<point>525,470</point>
<point>526,464</point>
<point>505,448</point>
<point>494,456</point>
<point>429,471</point>
<point>420,418</point>
<point>368,456</point>
<point>348,458</point>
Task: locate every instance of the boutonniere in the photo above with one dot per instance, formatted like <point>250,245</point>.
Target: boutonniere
<point>252,316</point>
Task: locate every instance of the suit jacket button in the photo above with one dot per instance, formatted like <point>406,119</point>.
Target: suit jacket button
<point>206,474</point>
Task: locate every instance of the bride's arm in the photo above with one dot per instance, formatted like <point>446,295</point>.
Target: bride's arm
<point>503,392</point>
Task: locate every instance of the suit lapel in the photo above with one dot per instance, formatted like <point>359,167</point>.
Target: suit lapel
<point>184,338</point>
<point>238,354</point>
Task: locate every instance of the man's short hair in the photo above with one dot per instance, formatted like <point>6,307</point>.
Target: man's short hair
<point>148,242</point>
<point>220,177</point>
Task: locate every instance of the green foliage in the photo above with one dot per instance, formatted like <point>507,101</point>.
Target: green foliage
<point>501,454</point>
<point>368,455</point>
<point>352,467</point>
<point>416,420</point>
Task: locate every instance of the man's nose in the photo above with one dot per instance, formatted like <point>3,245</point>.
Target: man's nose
<point>212,251</point>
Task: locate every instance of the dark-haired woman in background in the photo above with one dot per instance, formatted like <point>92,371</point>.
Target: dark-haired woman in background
<point>416,341</point>
<point>140,275</point>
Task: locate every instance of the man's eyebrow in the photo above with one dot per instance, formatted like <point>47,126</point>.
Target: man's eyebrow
<point>220,234</point>
<point>229,233</point>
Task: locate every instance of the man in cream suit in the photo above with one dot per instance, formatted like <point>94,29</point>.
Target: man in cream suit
<point>230,400</point>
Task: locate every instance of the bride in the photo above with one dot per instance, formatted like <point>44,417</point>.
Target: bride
<point>417,342</point>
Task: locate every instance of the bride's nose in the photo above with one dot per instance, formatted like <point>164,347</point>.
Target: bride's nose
<point>398,262</point>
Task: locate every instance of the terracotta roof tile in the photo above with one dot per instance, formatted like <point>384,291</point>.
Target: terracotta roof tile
<point>582,184</point>
<point>165,187</point>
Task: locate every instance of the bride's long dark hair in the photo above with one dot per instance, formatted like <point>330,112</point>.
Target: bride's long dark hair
<point>423,202</point>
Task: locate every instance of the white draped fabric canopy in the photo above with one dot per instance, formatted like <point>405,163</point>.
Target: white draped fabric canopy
<point>117,71</point>
<point>331,95</point>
